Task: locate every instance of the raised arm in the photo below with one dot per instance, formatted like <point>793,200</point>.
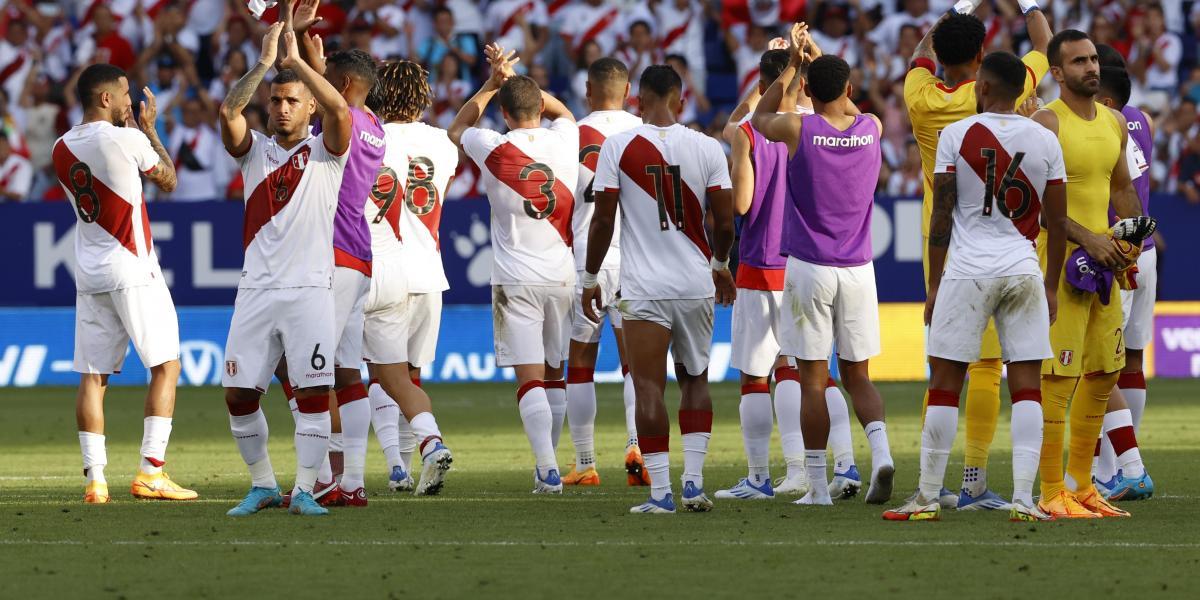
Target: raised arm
<point>234,132</point>
<point>163,174</point>
<point>1037,26</point>
<point>781,127</point>
<point>747,106</point>
<point>741,171</point>
<point>924,48</point>
<point>312,49</point>
<point>553,108</point>
<point>473,108</point>
<point>335,113</point>
<point>941,223</point>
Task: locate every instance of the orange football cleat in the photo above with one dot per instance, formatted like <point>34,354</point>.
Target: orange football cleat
<point>589,476</point>
<point>96,493</point>
<point>1093,501</point>
<point>1064,505</point>
<point>636,467</point>
<point>159,487</point>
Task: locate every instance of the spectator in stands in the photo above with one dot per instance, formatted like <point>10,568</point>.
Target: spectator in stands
<point>388,26</point>
<point>681,31</point>
<point>17,53</point>
<point>833,35</point>
<point>519,25</point>
<point>196,149</point>
<point>693,103</point>
<point>106,44</point>
<point>1156,52</point>
<point>906,180</point>
<point>590,54</point>
<point>746,53</point>
<point>639,52</point>
<point>444,40</point>
<point>449,91</point>
<point>239,32</point>
<point>593,20</point>
<point>16,174</point>
<point>886,36</point>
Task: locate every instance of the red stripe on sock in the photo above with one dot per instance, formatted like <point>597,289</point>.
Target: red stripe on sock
<point>1122,439</point>
<point>756,388</point>
<point>351,393</point>
<point>415,376</point>
<point>1135,381</point>
<point>373,381</point>
<point>242,409</point>
<point>651,444</point>
<point>580,375</point>
<point>155,461</point>
<point>1096,452</point>
<point>426,441</point>
<point>695,421</point>
<point>1032,394</point>
<point>943,398</point>
<point>556,384</point>
<point>313,404</point>
<point>288,392</point>
<point>830,383</point>
<point>786,373</point>
<point>529,385</point>
<point>624,370</point>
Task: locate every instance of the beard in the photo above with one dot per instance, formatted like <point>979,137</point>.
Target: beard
<point>1084,87</point>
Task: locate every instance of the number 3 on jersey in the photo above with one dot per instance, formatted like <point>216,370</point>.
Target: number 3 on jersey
<point>546,189</point>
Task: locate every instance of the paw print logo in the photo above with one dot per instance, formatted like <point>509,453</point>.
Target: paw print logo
<point>476,249</point>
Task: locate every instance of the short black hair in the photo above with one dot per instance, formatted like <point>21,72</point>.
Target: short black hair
<point>1110,57</point>
<point>660,80</point>
<point>1007,70</point>
<point>1054,52</point>
<point>441,8</point>
<point>678,57</point>
<point>1115,84</point>
<point>521,97</point>
<point>286,76</point>
<point>772,64</point>
<point>958,39</point>
<point>643,23</point>
<point>608,70</point>
<point>93,78</point>
<point>827,77</point>
<point>356,64</point>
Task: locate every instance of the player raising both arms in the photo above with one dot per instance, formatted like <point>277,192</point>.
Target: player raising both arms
<point>997,173</point>
<point>665,177</point>
<point>530,175</point>
<point>829,289</point>
<point>405,305</point>
<point>121,295</point>
<point>285,298</point>
<point>956,42</point>
<point>607,91</point>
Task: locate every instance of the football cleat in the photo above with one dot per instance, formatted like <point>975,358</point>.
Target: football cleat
<point>589,476</point>
<point>433,470</point>
<point>159,487</point>
<point>919,508</point>
<point>635,467</point>
<point>552,484</point>
<point>1019,512</point>
<point>744,490</point>
<point>988,500</point>
<point>324,492</point>
<point>694,498</point>
<point>340,497</point>
<point>1064,505</point>
<point>795,485</point>
<point>1106,487</point>
<point>666,506</point>
<point>96,492</point>
<point>1092,501</point>
<point>303,504</point>
<point>256,499</point>
<point>845,485</point>
<point>399,480</point>
<point>1128,488</point>
<point>880,490</point>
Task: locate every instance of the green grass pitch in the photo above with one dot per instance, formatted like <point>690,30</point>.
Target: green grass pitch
<point>487,536</point>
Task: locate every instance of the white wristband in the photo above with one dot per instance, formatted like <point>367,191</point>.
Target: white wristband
<point>719,265</point>
<point>966,7</point>
<point>589,280</point>
<point>1028,5</point>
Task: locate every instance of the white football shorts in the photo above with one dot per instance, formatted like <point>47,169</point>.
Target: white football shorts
<point>755,331</point>
<point>825,305</point>
<point>690,322</point>
<point>269,323</point>
<point>1139,304</point>
<point>350,291</point>
<point>1016,302</point>
<point>385,314</point>
<point>531,324</point>
<point>424,323</point>
<point>584,329</point>
<point>106,322</point>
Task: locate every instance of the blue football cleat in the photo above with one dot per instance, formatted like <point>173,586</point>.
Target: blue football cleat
<point>694,498</point>
<point>666,506</point>
<point>304,504</point>
<point>550,484</point>
<point>1106,487</point>
<point>400,480</point>
<point>256,499</point>
<point>988,500</point>
<point>845,485</point>
<point>433,470</point>
<point>744,490</point>
<point>1127,488</point>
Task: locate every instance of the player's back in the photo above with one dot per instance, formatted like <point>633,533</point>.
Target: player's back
<point>663,175</point>
<point>351,238</point>
<point>430,161</point>
<point>593,130</point>
<point>291,196</point>
<point>530,177</point>
<point>1003,164</point>
<point>1090,151</point>
<point>761,232</point>
<point>100,166</point>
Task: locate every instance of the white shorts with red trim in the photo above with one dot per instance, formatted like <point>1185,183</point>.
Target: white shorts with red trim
<point>269,323</point>
<point>823,306</point>
<point>106,322</point>
<point>350,290</point>
<point>755,331</point>
<point>584,329</point>
<point>531,324</point>
<point>690,322</point>
<point>1017,303</point>
<point>1139,304</point>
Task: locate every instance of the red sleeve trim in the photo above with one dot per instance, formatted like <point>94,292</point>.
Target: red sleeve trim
<point>715,188</point>
<point>746,127</point>
<point>147,172</point>
<point>1054,182</point>
<point>330,150</point>
<point>609,190</point>
<point>923,63</point>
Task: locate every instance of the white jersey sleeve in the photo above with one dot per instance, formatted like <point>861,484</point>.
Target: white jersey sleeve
<point>593,130</point>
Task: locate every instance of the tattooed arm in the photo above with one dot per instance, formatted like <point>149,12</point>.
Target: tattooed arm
<point>945,197</point>
<point>163,174</point>
<point>234,133</point>
<point>924,48</point>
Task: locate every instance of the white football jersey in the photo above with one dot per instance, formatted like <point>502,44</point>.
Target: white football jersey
<point>99,165</point>
<point>291,197</point>
<point>1003,164</point>
<point>530,177</point>
<point>663,175</point>
<point>404,210</point>
<point>593,130</point>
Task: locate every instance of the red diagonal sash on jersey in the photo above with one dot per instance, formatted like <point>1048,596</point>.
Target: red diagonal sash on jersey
<point>600,25</point>
<point>506,163</point>
<point>637,156</point>
<point>978,138</point>
<point>556,5</point>
<point>388,184</point>
<point>512,18</point>
<point>112,213</point>
<point>273,193</point>
<point>748,80</point>
<point>674,34</point>
<point>12,67</point>
<point>590,141</point>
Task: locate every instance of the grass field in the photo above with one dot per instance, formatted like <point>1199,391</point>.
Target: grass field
<point>486,535</point>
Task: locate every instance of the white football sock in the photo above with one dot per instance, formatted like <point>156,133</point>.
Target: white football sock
<point>95,456</point>
<point>385,420</point>
<point>1104,464</point>
<point>695,447</point>
<point>658,464</point>
<point>787,414</point>
<point>538,422</point>
<point>630,398</point>
<point>840,442</point>
<point>881,451</point>
<point>1135,398</point>
<point>250,433</point>
<point>312,447</point>
<point>818,479</point>
<point>356,426</point>
<point>408,443</point>
<point>425,430</point>
<point>937,437</point>
<point>556,397</point>
<point>755,410</point>
<point>295,410</point>
<point>1027,448</point>
<point>156,431</point>
<point>1118,428</point>
<point>581,416</point>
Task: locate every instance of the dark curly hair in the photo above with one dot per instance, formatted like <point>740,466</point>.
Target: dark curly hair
<point>958,39</point>
<point>401,92</point>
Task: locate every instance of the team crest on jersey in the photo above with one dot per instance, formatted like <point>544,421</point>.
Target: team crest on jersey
<point>1065,357</point>
<point>299,161</point>
<point>231,368</point>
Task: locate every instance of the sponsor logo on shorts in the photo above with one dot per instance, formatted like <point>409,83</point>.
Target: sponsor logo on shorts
<point>319,375</point>
<point>1065,357</point>
<point>231,368</point>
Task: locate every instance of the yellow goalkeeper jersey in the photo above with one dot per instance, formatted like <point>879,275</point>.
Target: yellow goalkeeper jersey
<point>932,106</point>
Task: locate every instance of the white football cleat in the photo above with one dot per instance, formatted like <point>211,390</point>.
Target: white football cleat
<point>811,499</point>
<point>846,485</point>
<point>793,486</point>
<point>744,490</point>
<point>694,498</point>
<point>881,484</point>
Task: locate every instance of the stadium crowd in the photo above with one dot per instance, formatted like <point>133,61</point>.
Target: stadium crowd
<point>188,52</point>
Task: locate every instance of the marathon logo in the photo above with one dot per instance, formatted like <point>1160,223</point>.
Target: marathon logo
<point>833,141</point>
<point>370,139</point>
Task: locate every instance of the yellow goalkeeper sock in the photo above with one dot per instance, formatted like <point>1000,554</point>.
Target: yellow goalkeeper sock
<point>1087,419</point>
<point>1056,394</point>
<point>983,410</point>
